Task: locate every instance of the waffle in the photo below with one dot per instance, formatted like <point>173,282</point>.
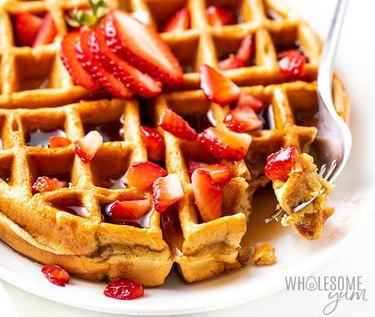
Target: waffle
<point>37,93</point>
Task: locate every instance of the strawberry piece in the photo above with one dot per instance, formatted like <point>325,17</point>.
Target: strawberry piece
<point>166,191</point>
<point>193,165</point>
<point>112,84</point>
<point>178,22</point>
<point>123,289</point>
<point>247,100</point>
<point>243,119</point>
<point>56,274</point>
<point>87,147</point>
<point>154,143</point>
<point>46,184</point>
<point>225,144</point>
<point>69,58</point>
<point>142,175</point>
<point>292,63</point>
<point>141,83</point>
<point>26,28</point>
<point>280,163</point>
<point>58,141</point>
<point>129,209</point>
<point>46,33</point>
<point>217,87</point>
<point>176,125</point>
<point>141,46</point>
<point>220,173</point>
<point>231,62</point>
<point>246,49</point>
<point>218,16</point>
<point>208,195</point>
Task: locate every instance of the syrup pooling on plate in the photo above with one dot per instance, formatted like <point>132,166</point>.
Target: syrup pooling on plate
<point>72,206</point>
<point>40,138</point>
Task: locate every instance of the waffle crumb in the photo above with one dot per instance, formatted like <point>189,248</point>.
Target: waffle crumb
<point>264,254</point>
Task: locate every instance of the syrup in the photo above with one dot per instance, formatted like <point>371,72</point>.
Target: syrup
<point>73,207</point>
<point>201,121</point>
<point>110,131</point>
<point>268,117</point>
<point>117,183</point>
<point>40,138</point>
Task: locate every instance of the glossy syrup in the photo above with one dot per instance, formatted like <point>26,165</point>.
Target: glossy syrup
<point>40,138</point>
<point>111,131</point>
<point>201,121</point>
<point>72,207</point>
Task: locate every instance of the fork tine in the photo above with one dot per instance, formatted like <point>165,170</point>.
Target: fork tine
<point>275,215</point>
<point>330,170</point>
<point>322,170</point>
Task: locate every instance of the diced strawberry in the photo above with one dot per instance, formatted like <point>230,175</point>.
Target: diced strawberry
<point>220,173</point>
<point>141,46</point>
<point>231,62</point>
<point>292,63</point>
<point>166,191</point>
<point>218,16</point>
<point>208,195</point>
<point>69,58</point>
<point>176,125</point>
<point>123,289</point>
<point>225,144</point>
<point>46,184</point>
<point>87,147</point>
<point>129,209</point>
<point>280,163</point>
<point>141,83</point>
<point>58,141</point>
<point>193,165</point>
<point>243,119</point>
<point>247,100</point>
<point>46,33</point>
<point>179,21</point>
<point>56,274</point>
<point>26,28</point>
<point>217,87</point>
<point>246,49</point>
<point>154,143</point>
<point>142,175</point>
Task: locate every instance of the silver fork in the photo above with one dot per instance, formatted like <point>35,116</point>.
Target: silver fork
<point>333,142</point>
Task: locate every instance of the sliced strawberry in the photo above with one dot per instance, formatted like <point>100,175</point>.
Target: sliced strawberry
<point>166,191</point>
<point>129,209</point>
<point>243,119</point>
<point>141,46</point>
<point>225,144</point>
<point>46,33</point>
<point>58,141</point>
<point>87,147</point>
<point>141,83</point>
<point>26,28</point>
<point>112,84</point>
<point>220,173</point>
<point>179,21</point>
<point>292,63</point>
<point>246,49</point>
<point>208,195</point>
<point>231,62</point>
<point>56,274</point>
<point>142,175</point>
<point>176,125</point>
<point>46,184</point>
<point>247,100</point>
<point>69,58</point>
<point>218,16</point>
<point>193,165</point>
<point>217,87</point>
<point>154,143</point>
<point>280,163</point>
<point>123,289</point>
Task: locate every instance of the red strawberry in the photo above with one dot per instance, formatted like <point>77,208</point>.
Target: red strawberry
<point>56,274</point>
<point>208,195</point>
<point>225,144</point>
<point>292,63</point>
<point>87,147</point>
<point>46,184</point>
<point>129,209</point>
<point>178,22</point>
<point>26,28</point>
<point>142,175</point>
<point>246,49</point>
<point>112,84</point>
<point>141,83</point>
<point>69,58</point>
<point>193,165</point>
<point>280,163</point>
<point>217,87</point>
<point>231,62</point>
<point>58,141</point>
<point>166,191</point>
<point>243,119</point>
<point>247,100</point>
<point>220,173</point>
<point>154,143</point>
<point>176,125</point>
<point>217,16</point>
<point>142,47</point>
<point>46,33</point>
<point>123,289</point>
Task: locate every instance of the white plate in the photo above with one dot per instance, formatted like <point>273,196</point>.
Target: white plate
<point>295,256</point>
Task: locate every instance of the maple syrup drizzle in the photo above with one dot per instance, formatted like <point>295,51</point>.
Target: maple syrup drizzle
<point>40,138</point>
<point>73,208</point>
<point>117,183</point>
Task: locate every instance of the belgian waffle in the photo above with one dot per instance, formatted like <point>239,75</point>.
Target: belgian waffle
<point>38,226</point>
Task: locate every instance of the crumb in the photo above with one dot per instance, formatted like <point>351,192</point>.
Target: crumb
<point>264,254</point>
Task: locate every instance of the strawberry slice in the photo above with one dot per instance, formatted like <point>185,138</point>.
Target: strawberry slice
<point>123,210</point>
<point>217,87</point>
<point>112,84</point>
<point>56,274</point>
<point>142,175</point>
<point>26,28</point>
<point>280,163</point>
<point>154,143</point>
<point>46,184</point>
<point>69,58</point>
<point>231,62</point>
<point>220,173</point>
<point>141,83</point>
<point>292,63</point>
<point>176,125</point>
<point>179,21</point>
<point>218,16</point>
<point>124,290</point>
<point>142,47</point>
<point>243,119</point>
<point>247,100</point>
<point>193,165</point>
<point>46,33</point>
<point>208,195</point>
<point>166,191</point>
<point>58,141</point>
<point>87,147</point>
<point>225,144</point>
<point>246,49</point>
